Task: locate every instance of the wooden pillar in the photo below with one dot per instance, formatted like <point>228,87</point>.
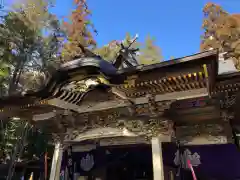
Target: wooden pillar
<point>56,162</point>
<point>158,171</point>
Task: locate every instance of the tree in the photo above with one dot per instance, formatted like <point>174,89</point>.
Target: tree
<point>235,45</point>
<point>214,19</point>
<point>23,44</point>
<point>78,31</point>
<point>221,31</point>
<point>4,70</point>
<point>150,53</point>
<point>25,51</point>
<point>110,51</point>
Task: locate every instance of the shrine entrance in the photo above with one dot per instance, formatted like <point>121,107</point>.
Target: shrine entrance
<point>135,162</point>
<point>183,100</point>
<point>130,162</point>
<point>110,162</point>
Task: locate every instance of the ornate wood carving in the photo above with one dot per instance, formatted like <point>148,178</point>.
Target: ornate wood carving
<point>152,105</point>
<point>228,100</point>
<point>226,116</point>
<point>138,125</point>
<point>212,132</point>
<point>57,137</point>
<point>145,120</point>
<point>192,103</point>
<point>227,113</point>
<point>226,106</point>
<point>152,108</point>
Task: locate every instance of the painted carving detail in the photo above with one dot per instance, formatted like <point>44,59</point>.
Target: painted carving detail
<point>228,101</point>
<point>81,86</point>
<point>150,128</point>
<point>140,124</point>
<point>212,132</point>
<point>225,105</point>
<point>226,116</point>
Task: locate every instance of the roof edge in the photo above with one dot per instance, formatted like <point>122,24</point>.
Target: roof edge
<point>180,60</point>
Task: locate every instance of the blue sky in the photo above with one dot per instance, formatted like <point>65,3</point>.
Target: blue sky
<point>175,24</point>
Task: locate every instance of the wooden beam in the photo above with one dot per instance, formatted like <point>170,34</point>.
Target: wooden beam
<point>182,95</point>
<point>102,133</point>
<point>44,116</point>
<point>119,103</point>
<point>87,108</point>
<point>83,148</point>
<point>118,141</point>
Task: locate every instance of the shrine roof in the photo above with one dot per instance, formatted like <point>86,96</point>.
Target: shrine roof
<point>192,59</point>
<point>208,56</point>
<point>178,90</point>
<point>169,79</point>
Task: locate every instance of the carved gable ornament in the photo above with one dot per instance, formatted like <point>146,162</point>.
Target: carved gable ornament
<point>181,159</point>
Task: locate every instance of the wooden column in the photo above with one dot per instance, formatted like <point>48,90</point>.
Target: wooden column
<point>56,162</point>
<point>158,169</point>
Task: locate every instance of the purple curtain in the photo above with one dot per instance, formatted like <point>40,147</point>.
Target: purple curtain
<point>221,162</point>
<point>217,161</point>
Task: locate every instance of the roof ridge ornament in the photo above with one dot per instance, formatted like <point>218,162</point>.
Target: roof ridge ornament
<point>125,53</point>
